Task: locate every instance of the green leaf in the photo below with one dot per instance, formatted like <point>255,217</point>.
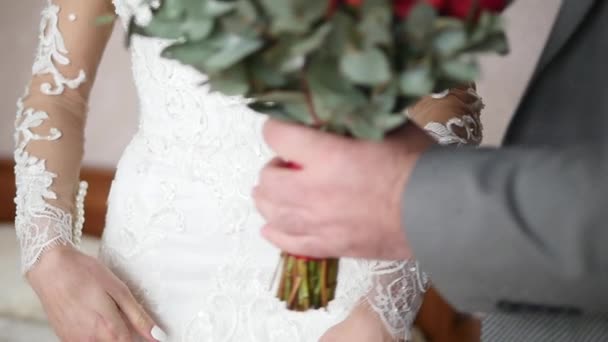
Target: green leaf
<point>461,70</point>
<point>216,8</point>
<point>300,112</point>
<point>488,24</point>
<point>282,97</point>
<point>189,53</point>
<point>420,22</point>
<point>234,48</point>
<point>375,24</point>
<point>197,30</point>
<point>272,110</point>
<point>449,41</point>
<point>247,12</point>
<point>417,81</point>
<point>307,45</point>
<point>280,55</point>
<point>170,10</point>
<point>446,23</point>
<point>364,129</point>
<point>388,122</point>
<point>497,43</point>
<point>373,125</point>
<point>231,81</point>
<point>294,16</point>
<point>367,67</point>
<point>269,76</point>
<point>488,35</point>
<point>291,106</point>
<point>384,100</point>
<point>343,33</point>
<point>332,95</point>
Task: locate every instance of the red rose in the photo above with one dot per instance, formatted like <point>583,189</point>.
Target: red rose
<point>403,7</point>
<point>331,8</point>
<point>454,8</point>
<point>463,8</point>
<point>354,3</point>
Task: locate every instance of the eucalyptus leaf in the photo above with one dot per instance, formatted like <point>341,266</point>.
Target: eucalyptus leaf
<point>388,122</point>
<point>311,43</point>
<point>282,97</point>
<point>290,106</point>
<point>332,95</point>
<point>234,48</point>
<point>294,16</point>
<point>189,53</point>
<point>375,25</point>
<point>246,11</point>
<point>300,112</point>
<point>497,43</point>
<point>273,110</point>
<point>171,10</point>
<point>450,41</point>
<point>364,129</point>
<point>367,67</point>
<point>417,81</point>
<point>461,70</point>
<point>232,81</point>
<point>267,75</point>
<point>216,8</point>
<point>384,100</point>
<point>343,33</point>
<point>280,55</point>
<point>347,72</point>
<point>420,22</point>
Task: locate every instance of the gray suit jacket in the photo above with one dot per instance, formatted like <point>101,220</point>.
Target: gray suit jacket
<point>522,230</point>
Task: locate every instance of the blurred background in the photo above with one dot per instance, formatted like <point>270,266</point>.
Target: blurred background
<point>113,119</point>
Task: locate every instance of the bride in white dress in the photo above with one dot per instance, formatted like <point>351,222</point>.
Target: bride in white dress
<point>181,230</point>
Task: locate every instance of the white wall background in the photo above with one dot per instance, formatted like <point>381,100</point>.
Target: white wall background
<point>113,115</point>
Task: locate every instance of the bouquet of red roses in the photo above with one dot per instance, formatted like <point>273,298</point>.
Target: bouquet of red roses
<point>346,66</point>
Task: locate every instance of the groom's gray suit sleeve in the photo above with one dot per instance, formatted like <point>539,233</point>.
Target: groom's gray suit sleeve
<point>512,225</point>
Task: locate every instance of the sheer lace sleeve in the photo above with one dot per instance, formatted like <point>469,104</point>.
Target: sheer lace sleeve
<point>452,118</point>
<point>50,123</point>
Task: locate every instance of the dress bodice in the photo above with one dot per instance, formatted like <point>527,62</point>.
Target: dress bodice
<point>181,120</point>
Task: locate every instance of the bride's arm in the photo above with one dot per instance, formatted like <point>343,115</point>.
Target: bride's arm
<point>83,299</point>
<point>50,123</point>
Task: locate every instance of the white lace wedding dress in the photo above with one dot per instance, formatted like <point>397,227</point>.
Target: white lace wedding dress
<point>182,231</point>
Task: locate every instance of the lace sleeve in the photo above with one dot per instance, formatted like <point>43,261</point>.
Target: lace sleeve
<point>398,287</point>
<point>49,126</point>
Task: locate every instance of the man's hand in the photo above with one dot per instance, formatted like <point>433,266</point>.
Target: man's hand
<point>344,200</point>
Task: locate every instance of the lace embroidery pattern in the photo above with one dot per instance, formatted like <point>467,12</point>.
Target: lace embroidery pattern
<point>39,225</point>
<point>142,233</point>
<point>51,50</point>
<point>447,134</point>
<point>397,293</point>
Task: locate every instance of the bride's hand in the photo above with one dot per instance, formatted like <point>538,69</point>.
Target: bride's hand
<point>361,325</point>
<point>84,301</point>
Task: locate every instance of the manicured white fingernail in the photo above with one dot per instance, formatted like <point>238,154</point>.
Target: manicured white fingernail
<point>158,334</point>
